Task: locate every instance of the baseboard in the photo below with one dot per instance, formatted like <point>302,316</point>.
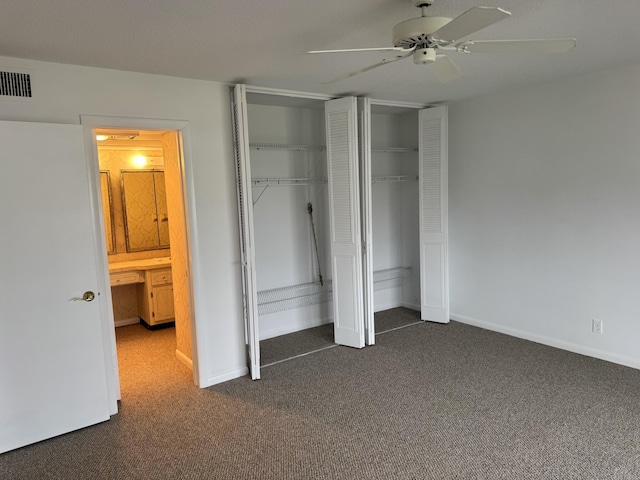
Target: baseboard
<point>225,377</point>
<point>550,341</point>
<point>386,306</point>
<point>126,321</point>
<point>411,306</point>
<point>291,328</point>
<point>184,359</point>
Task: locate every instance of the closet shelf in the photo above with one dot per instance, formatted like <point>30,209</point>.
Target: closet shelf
<point>395,178</point>
<point>390,277</point>
<point>306,294</point>
<point>294,296</point>
<point>271,182</point>
<point>394,150</point>
<point>286,146</point>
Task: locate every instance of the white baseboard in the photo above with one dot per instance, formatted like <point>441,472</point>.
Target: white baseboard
<point>225,377</point>
<point>184,359</point>
<point>126,321</point>
<point>389,306</point>
<point>291,328</point>
<point>386,306</point>
<point>411,306</point>
<point>550,341</point>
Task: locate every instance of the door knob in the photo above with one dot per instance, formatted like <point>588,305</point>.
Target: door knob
<point>86,296</point>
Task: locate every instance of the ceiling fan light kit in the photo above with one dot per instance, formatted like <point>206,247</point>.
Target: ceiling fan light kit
<point>424,55</point>
<point>423,37</point>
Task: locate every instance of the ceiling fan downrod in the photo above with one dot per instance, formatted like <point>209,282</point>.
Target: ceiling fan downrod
<point>423,5</point>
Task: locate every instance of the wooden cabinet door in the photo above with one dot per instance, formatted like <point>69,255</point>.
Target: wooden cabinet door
<point>163,303</point>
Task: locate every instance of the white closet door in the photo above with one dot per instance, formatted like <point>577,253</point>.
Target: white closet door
<point>245,213</point>
<point>52,362</point>
<point>346,259</point>
<point>364,139</point>
<point>434,275</point>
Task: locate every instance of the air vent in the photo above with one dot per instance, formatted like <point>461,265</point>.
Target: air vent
<point>15,84</point>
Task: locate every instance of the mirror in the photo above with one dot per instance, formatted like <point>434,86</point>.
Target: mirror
<point>144,199</point>
<point>107,210</point>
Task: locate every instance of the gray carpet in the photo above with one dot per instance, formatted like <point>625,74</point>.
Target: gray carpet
<point>426,402</point>
<point>298,343</point>
<point>313,339</point>
<point>395,318</point>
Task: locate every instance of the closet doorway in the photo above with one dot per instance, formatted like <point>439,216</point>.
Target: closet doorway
<point>146,238</point>
<point>379,237</point>
<point>296,157</point>
<point>404,213</point>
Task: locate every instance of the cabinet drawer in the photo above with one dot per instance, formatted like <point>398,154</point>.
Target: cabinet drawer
<point>126,278</point>
<point>161,277</point>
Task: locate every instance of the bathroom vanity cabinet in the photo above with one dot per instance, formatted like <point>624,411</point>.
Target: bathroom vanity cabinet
<point>155,297</point>
<point>154,282</point>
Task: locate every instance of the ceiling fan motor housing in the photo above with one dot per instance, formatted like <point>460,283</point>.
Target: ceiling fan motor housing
<point>424,55</point>
<point>416,31</point>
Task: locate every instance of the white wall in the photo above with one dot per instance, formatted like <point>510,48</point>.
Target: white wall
<point>544,213</point>
<point>63,93</point>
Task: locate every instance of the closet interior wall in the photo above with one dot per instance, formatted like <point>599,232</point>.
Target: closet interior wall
<point>289,171</point>
<point>395,207</point>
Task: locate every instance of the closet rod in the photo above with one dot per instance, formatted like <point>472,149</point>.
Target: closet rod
<point>395,178</point>
<point>286,146</point>
<point>262,182</point>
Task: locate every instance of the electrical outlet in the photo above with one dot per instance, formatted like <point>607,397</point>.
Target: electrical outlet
<point>596,326</point>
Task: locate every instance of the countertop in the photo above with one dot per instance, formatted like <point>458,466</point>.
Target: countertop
<point>148,264</point>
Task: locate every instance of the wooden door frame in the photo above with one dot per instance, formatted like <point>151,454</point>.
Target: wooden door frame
<point>89,124</point>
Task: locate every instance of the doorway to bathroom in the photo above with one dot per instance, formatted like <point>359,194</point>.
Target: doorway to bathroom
<point>146,235</point>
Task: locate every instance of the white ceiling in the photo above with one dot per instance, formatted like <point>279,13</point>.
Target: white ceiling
<point>263,42</point>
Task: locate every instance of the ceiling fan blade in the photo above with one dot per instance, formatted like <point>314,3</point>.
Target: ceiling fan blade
<point>370,67</point>
<point>469,22</point>
<point>445,69</point>
<point>555,45</point>
<point>348,50</point>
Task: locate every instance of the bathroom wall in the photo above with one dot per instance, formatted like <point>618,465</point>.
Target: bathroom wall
<point>179,259</point>
<point>115,160</point>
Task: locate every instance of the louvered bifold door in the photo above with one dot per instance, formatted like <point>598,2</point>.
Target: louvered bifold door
<point>346,259</point>
<point>434,275</point>
<point>245,218</point>
<point>364,149</point>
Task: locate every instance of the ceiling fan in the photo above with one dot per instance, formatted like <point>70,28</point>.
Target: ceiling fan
<point>426,36</point>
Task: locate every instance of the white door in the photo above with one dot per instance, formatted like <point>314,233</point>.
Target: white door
<point>346,259</point>
<point>245,213</point>
<point>434,274</point>
<point>364,143</point>
<point>52,362</point>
